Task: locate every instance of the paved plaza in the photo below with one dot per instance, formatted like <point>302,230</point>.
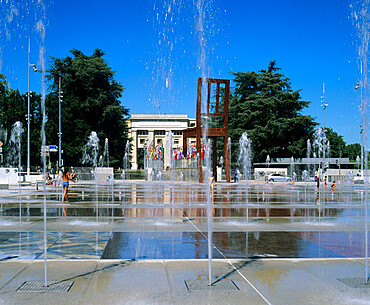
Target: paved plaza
<point>147,243</point>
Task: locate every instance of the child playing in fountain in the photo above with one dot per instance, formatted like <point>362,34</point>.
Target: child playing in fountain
<point>73,175</point>
<point>66,177</point>
<point>48,179</point>
<point>333,186</point>
<point>212,184</point>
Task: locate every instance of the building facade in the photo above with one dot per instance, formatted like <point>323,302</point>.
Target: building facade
<point>147,128</point>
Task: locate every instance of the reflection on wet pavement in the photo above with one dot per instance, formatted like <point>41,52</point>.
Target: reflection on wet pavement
<point>169,220</point>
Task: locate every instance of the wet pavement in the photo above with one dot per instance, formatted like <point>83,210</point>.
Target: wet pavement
<point>164,220</point>
<point>281,236</point>
<point>254,281</point>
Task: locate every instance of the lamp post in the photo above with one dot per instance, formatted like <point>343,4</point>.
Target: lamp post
<point>362,124</point>
<point>28,107</point>
<point>60,96</point>
<point>323,105</point>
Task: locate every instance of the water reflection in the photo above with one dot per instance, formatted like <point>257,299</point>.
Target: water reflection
<point>283,220</point>
<point>187,245</point>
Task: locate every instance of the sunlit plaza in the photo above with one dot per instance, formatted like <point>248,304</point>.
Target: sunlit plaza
<point>268,241</point>
<point>184,152</point>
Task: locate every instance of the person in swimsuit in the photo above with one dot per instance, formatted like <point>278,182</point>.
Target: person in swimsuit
<point>65,177</point>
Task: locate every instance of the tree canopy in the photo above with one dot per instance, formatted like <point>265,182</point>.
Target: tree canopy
<point>336,143</point>
<point>264,105</point>
<point>90,103</point>
<point>13,108</point>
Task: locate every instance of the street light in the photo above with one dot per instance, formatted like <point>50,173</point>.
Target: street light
<point>323,105</point>
<point>359,85</point>
<point>28,106</point>
<point>60,96</point>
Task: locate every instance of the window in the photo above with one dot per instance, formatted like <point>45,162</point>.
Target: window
<point>177,132</point>
<point>192,124</point>
<point>159,132</point>
<point>176,142</point>
<point>142,141</point>
<point>142,133</point>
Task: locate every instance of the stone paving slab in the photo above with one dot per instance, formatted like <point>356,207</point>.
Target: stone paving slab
<point>80,273</point>
<point>262,281</point>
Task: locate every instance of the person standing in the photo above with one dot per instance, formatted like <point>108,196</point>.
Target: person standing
<point>317,177</point>
<point>236,175</point>
<point>65,177</point>
<point>73,175</point>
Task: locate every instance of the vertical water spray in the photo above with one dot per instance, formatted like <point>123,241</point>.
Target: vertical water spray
<point>15,142</point>
<point>360,16</point>
<point>320,143</point>
<point>169,154</point>
<point>167,19</point>
<point>106,151</point>
<point>245,162</point>
<point>203,8</point>
<point>292,170</point>
<point>208,177</point>
<point>126,161</point>
<point>90,155</point>
<point>25,20</point>
<point>308,156</point>
<point>41,29</point>
<point>268,166</point>
<point>358,162</point>
<point>229,148</point>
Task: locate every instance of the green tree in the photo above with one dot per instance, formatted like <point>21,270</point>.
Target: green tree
<point>264,105</point>
<point>336,143</point>
<point>352,151</point>
<point>13,108</point>
<point>90,103</point>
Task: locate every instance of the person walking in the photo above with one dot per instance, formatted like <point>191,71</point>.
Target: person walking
<point>65,177</point>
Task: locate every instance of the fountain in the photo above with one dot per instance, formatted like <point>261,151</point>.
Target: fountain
<point>292,168</point>
<point>229,147</point>
<point>126,161</point>
<point>245,162</point>
<point>268,167</point>
<point>360,15</point>
<point>308,156</point>
<point>140,210</point>
<point>358,161</point>
<point>15,142</point>
<point>106,152</point>
<point>169,151</point>
<point>90,155</point>
<point>209,192</point>
<point>320,143</point>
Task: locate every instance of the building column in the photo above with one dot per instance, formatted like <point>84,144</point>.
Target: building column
<point>134,150</point>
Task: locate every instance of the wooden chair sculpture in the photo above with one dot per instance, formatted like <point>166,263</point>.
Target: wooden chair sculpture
<point>217,111</point>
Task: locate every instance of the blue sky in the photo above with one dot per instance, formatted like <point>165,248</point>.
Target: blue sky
<point>154,48</point>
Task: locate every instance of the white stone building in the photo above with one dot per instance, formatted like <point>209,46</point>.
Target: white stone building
<point>144,128</point>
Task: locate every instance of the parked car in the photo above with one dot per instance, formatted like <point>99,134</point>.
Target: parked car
<point>278,178</point>
<point>358,180</point>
